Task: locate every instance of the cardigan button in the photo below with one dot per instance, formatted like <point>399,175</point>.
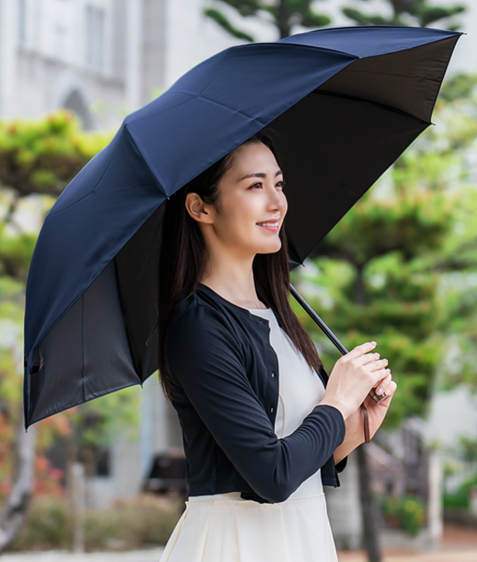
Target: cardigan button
<point>271,409</point>
<point>273,374</point>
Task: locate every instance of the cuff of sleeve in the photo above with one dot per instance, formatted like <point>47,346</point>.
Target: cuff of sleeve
<point>338,416</point>
<point>341,465</point>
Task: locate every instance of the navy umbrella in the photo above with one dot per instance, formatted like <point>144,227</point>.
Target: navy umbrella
<point>344,103</point>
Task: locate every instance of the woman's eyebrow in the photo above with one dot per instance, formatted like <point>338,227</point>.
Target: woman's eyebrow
<point>259,175</point>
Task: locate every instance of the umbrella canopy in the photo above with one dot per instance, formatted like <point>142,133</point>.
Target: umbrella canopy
<point>344,103</point>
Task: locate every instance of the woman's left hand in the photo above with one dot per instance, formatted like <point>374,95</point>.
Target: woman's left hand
<point>376,412</point>
<point>354,436</point>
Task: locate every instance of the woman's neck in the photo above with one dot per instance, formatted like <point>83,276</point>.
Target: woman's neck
<point>234,282</point>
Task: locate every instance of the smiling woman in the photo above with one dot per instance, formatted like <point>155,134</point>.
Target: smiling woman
<point>212,235</point>
<point>263,430</point>
<point>230,232</point>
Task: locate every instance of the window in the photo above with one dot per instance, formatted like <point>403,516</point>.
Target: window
<point>22,16</point>
<point>94,37</point>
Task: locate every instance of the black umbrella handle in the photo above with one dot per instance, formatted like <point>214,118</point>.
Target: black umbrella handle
<point>341,348</point>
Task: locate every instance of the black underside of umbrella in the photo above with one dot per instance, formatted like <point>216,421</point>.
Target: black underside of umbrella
<point>333,144</point>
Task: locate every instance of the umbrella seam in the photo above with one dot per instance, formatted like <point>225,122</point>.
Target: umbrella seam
<point>376,103</point>
<point>297,45</point>
<point>451,35</point>
<point>94,188</point>
<point>234,110</point>
<point>144,161</point>
<point>83,385</point>
<point>173,91</point>
<point>194,96</point>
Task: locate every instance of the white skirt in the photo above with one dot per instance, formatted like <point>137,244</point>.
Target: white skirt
<point>227,528</point>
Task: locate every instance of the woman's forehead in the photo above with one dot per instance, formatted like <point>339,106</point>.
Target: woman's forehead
<point>253,158</point>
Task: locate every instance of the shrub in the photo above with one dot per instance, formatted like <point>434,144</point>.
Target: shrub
<point>128,524</point>
<point>460,498</point>
<point>406,512</point>
<point>48,525</point>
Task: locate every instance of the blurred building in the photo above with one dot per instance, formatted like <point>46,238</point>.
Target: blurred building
<point>101,59</point>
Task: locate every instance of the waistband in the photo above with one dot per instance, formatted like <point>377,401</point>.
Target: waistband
<point>311,487</point>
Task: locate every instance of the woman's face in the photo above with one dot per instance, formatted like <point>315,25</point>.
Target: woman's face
<point>252,203</point>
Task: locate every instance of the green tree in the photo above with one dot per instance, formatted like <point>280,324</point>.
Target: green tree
<point>38,158</point>
<point>283,14</point>
<point>457,265</point>
<point>408,12</point>
<point>384,272</point>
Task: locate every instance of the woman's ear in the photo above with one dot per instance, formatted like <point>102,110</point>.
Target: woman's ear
<point>197,209</point>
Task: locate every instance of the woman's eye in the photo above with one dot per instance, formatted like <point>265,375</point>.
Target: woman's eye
<point>259,184</point>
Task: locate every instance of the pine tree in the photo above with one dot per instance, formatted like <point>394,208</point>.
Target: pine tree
<point>283,14</point>
<point>420,13</point>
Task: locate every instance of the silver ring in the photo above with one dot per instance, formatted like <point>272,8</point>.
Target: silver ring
<point>379,398</point>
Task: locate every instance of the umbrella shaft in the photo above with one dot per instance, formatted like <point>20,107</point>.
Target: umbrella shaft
<point>341,348</point>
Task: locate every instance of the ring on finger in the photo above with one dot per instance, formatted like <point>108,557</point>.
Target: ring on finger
<point>378,398</point>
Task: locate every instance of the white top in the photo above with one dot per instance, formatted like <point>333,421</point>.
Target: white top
<point>300,389</point>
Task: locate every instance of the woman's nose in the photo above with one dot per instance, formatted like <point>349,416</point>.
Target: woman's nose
<point>277,199</point>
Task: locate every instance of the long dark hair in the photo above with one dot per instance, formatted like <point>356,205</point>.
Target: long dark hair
<point>183,257</point>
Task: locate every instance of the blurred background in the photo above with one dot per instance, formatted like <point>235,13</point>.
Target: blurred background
<point>400,268</point>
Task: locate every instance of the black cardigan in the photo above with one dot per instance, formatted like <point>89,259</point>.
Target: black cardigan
<point>223,377</point>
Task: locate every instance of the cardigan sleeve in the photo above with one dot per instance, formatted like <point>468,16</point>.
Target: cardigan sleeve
<point>208,363</point>
<point>339,467</point>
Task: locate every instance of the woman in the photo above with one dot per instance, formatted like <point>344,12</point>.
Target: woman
<point>263,427</point>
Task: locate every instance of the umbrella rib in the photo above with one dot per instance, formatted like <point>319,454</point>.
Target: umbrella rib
<point>376,103</point>
<point>234,110</point>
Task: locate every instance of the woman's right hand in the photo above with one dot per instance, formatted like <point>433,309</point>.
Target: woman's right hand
<point>353,376</point>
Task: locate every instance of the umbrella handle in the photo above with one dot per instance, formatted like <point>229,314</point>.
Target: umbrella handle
<point>341,348</point>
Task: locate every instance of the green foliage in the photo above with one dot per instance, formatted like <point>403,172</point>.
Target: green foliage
<point>468,447</point>
<point>458,86</point>
<point>285,14</point>
<point>420,13</point>
<point>220,18</point>
<point>406,512</point>
<point>460,497</point>
<point>145,521</point>
<point>43,155</point>
<point>98,421</point>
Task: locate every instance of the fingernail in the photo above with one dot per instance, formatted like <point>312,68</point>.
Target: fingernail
<point>380,390</point>
<point>374,343</point>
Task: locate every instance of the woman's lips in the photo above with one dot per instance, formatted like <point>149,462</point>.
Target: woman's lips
<point>272,225</point>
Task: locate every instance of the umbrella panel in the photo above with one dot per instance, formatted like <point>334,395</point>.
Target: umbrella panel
<point>84,353</point>
<point>407,81</point>
<point>324,170</point>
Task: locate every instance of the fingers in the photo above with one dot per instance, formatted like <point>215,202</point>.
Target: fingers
<point>372,360</point>
<point>384,382</point>
<point>390,390</point>
<point>360,350</point>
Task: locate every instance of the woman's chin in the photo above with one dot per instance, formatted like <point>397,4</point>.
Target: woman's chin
<point>270,248</point>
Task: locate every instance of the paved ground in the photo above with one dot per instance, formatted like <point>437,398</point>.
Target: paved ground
<point>136,556</point>
<point>458,545</point>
